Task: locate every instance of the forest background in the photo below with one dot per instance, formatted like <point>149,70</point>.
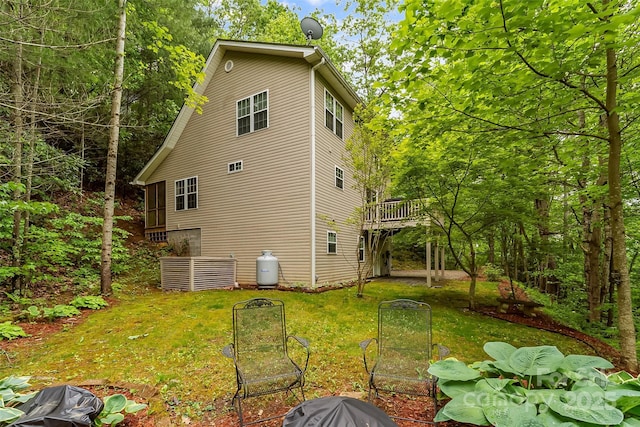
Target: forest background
<point>515,121</point>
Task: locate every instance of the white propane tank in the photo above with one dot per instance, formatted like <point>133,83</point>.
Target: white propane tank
<point>267,270</point>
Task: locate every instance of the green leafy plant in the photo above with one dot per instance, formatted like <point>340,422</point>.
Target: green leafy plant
<point>60,310</point>
<point>10,331</point>
<point>536,386</point>
<point>10,395</point>
<point>31,313</point>
<point>114,406</point>
<point>92,302</point>
<point>492,272</point>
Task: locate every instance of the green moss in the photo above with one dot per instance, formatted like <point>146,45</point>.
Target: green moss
<point>173,341</point>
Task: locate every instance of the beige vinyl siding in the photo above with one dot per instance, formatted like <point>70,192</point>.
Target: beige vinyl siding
<point>265,206</point>
<point>334,204</point>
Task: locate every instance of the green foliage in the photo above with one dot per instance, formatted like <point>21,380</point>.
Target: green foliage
<point>114,406</point>
<point>537,386</point>
<point>60,310</point>
<point>31,313</point>
<point>492,272</point>
<point>9,331</point>
<point>89,301</point>
<point>10,396</point>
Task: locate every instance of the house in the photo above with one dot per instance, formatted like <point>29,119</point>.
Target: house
<point>261,168</point>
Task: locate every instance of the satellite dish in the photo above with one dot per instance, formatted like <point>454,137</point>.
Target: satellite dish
<point>311,28</point>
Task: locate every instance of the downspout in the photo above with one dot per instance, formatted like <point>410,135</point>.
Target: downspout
<point>312,93</point>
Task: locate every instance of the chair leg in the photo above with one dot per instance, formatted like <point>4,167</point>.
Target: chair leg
<point>239,408</point>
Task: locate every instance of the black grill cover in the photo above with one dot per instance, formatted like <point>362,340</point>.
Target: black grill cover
<point>60,406</point>
<point>337,411</point>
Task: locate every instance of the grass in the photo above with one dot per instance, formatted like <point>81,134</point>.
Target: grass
<point>173,341</point>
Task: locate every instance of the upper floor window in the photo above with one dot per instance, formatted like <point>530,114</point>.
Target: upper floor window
<point>252,113</point>
<point>187,193</point>
<point>339,178</point>
<point>333,114</point>
<point>234,166</point>
<point>332,242</point>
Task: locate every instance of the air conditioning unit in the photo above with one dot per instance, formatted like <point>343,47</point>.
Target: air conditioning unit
<point>197,273</point>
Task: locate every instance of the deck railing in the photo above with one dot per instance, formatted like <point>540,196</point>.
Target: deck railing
<point>394,211</point>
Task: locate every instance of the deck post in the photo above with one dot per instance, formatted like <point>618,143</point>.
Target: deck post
<point>437,261</point>
<point>428,263</point>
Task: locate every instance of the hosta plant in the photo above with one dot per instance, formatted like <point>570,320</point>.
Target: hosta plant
<point>10,396</point>
<point>92,302</point>
<point>114,406</point>
<point>536,386</point>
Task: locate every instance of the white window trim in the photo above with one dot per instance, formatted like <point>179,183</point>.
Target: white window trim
<point>335,103</point>
<point>235,165</point>
<point>335,177</point>
<point>329,233</point>
<point>185,196</point>
<point>252,113</point>
<point>361,249</point>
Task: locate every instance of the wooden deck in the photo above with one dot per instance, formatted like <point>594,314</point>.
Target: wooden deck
<point>395,214</point>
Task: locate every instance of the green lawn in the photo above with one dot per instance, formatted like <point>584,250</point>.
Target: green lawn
<point>173,341</point>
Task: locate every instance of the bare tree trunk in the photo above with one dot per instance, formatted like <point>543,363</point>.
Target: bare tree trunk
<point>17,91</point>
<point>606,284</point>
<point>33,136</point>
<point>620,272</point>
<point>112,156</point>
<point>592,246</point>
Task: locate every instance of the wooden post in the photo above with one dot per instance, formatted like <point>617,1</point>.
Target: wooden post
<point>436,265</point>
<point>428,263</point>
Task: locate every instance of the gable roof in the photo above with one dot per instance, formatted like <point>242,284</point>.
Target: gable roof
<point>312,54</point>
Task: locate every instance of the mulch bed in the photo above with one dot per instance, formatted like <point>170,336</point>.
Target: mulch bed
<point>544,322</point>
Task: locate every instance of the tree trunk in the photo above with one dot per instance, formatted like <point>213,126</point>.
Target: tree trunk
<point>473,268</point>
<point>17,91</point>
<point>592,245</point>
<point>620,272</point>
<point>606,284</point>
<point>33,137</point>
<point>112,156</point>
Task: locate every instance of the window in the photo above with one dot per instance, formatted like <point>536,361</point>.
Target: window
<point>252,113</point>
<point>156,205</point>
<point>361,249</point>
<point>234,166</point>
<point>187,193</point>
<point>332,242</point>
<point>333,114</point>
<point>339,178</point>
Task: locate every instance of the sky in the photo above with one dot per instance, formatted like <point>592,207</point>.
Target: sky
<point>333,7</point>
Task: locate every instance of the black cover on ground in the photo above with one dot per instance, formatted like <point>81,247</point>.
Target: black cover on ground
<point>337,411</point>
<point>60,406</point>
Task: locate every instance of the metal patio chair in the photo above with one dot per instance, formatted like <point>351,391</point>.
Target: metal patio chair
<point>404,352</point>
<point>260,353</point>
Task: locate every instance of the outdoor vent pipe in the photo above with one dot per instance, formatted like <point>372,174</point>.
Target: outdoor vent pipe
<point>312,97</point>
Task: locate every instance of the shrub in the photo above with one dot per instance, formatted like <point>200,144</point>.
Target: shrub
<point>492,272</point>
<point>536,386</point>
